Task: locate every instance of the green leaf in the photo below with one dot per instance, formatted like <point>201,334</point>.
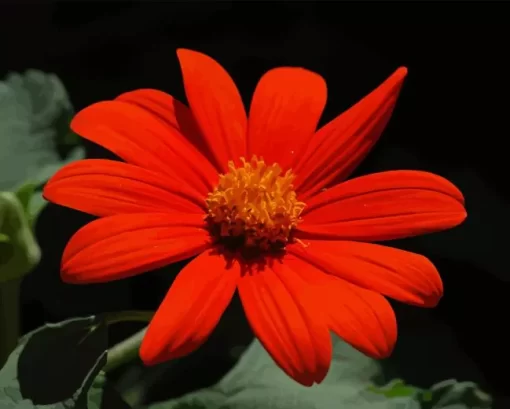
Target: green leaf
<point>47,171</point>
<point>24,195</point>
<point>35,112</point>
<point>27,195</point>
<point>257,383</point>
<point>451,394</point>
<point>56,367</point>
<point>103,396</point>
<point>395,388</point>
<point>19,251</point>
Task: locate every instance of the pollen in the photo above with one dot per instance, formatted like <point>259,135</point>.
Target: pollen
<point>255,205</point>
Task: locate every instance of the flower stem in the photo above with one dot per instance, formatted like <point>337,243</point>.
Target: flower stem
<point>9,317</point>
<point>124,351</point>
<point>111,318</point>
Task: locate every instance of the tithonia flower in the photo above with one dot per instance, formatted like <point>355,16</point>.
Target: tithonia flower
<point>261,203</point>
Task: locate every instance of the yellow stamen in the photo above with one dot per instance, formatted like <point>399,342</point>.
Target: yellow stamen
<point>255,203</point>
<point>302,243</point>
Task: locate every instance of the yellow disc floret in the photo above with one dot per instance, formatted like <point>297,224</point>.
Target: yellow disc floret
<point>255,203</point>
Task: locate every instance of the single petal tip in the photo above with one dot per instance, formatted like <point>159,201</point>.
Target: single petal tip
<point>381,350</point>
<point>386,353</point>
<point>67,277</point>
<point>432,301</point>
<point>187,53</point>
<point>401,72</point>
<point>153,351</point>
<point>49,193</point>
<point>320,376</point>
<point>458,218</point>
<point>46,193</point>
<point>432,298</point>
<point>147,354</point>
<point>181,51</point>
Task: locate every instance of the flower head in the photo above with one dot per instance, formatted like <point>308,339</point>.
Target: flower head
<point>262,202</point>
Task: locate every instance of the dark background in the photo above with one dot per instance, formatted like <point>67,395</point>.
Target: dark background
<point>451,119</point>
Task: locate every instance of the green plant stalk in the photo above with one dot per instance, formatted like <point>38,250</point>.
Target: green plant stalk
<point>124,352</point>
<point>110,318</point>
<point>9,317</point>
<point>127,350</point>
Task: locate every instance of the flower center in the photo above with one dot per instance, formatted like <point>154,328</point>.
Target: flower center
<point>254,206</point>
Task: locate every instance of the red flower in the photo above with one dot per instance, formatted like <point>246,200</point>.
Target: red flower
<point>282,227</point>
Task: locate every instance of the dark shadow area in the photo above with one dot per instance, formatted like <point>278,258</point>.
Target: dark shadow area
<point>56,364</point>
<point>61,355</point>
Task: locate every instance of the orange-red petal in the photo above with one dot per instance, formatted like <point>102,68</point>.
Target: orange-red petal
<point>171,111</point>
<point>288,321</point>
<point>404,276</point>
<point>284,113</point>
<point>104,187</point>
<point>383,206</point>
<point>216,105</point>
<point>191,309</point>
<point>121,246</point>
<point>339,146</point>
<point>361,317</point>
<point>141,138</point>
